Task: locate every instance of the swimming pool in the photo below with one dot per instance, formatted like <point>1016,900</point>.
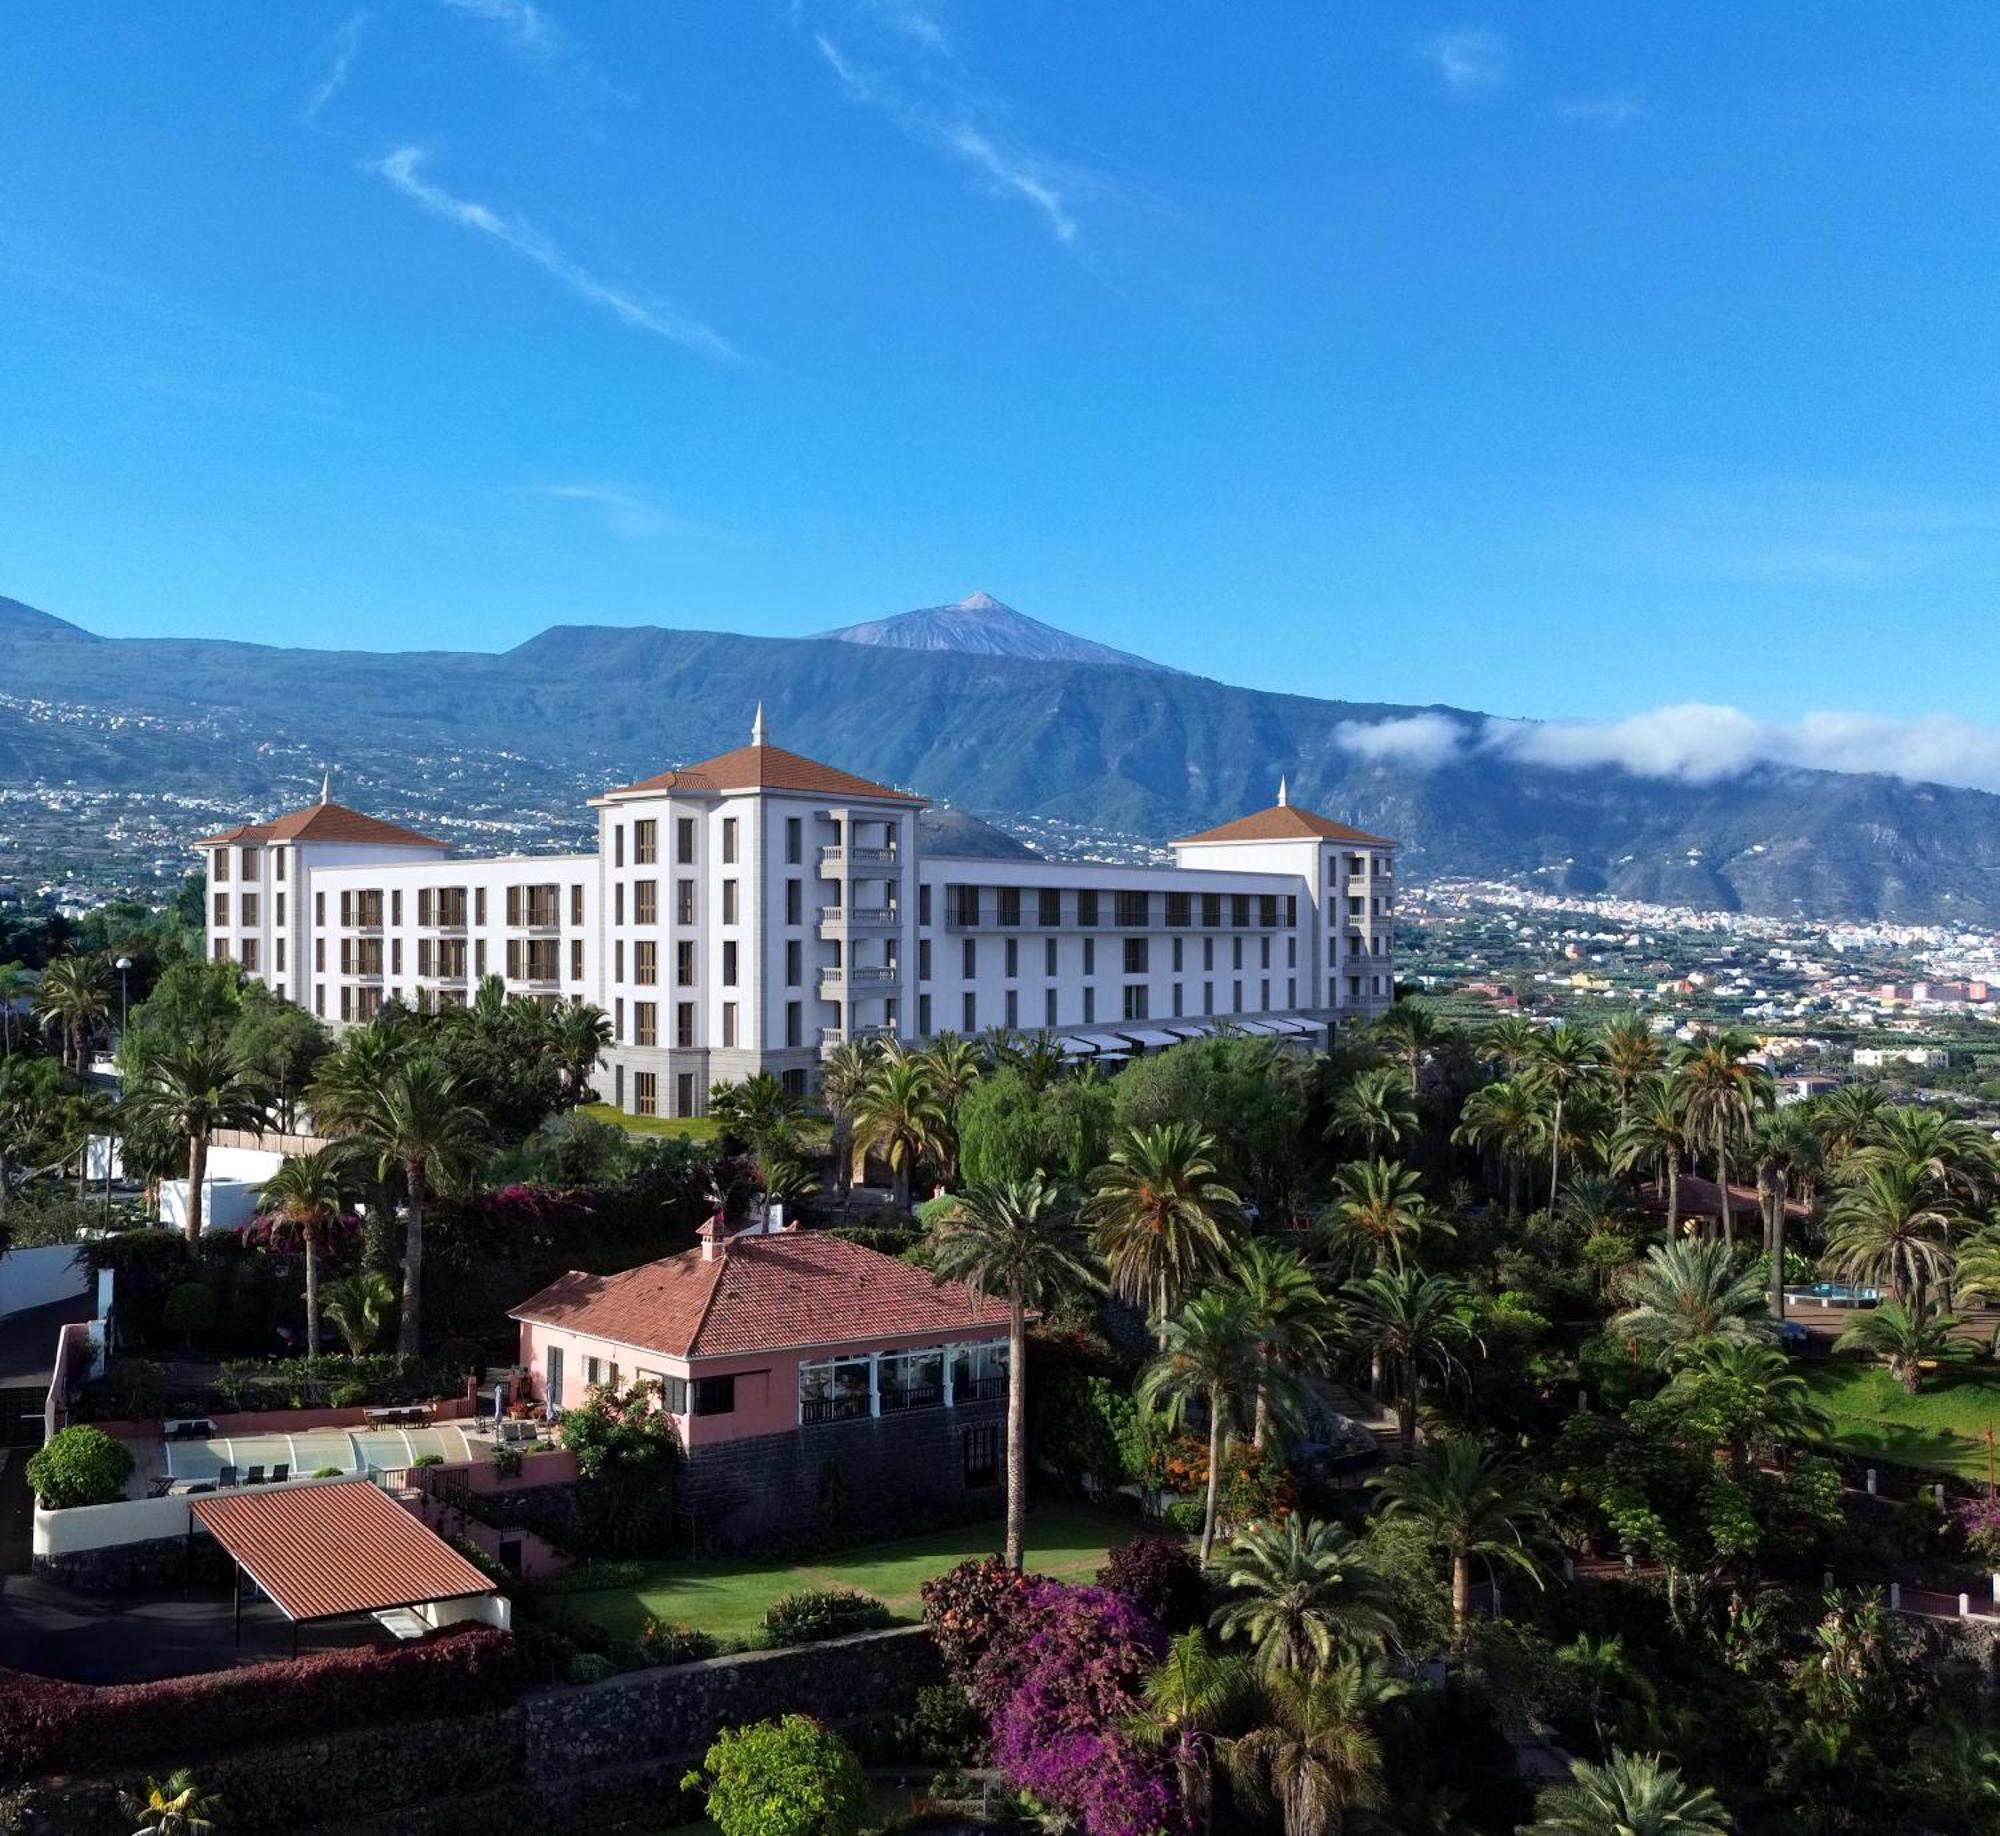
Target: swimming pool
<point>1837,1294</point>
<point>350,1450</point>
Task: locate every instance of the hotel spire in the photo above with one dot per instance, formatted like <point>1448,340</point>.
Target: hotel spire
<point>1283,796</point>
<point>757,727</point>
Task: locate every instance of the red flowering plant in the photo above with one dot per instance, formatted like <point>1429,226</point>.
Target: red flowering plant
<point>1978,1521</point>
<point>334,1242</point>
<point>971,1608</point>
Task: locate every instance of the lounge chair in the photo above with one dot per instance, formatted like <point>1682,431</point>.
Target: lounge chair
<point>281,1472</point>
<point>255,1476</point>
<point>227,1476</point>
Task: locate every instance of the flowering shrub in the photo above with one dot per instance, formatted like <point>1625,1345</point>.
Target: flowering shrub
<point>1160,1577</point>
<point>672,1644</point>
<point>972,1607</point>
<point>1979,1523</point>
<point>816,1613</point>
<point>49,1726</point>
<point>80,1466</point>
<point>1060,1684</point>
<point>1256,1487</point>
<point>782,1778</point>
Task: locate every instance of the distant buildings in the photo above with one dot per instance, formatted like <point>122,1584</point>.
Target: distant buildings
<point>754,911</point>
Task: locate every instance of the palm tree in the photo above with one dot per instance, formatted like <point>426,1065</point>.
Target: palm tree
<point>173,1806</point>
<point>1846,1118</point>
<point>16,984</point>
<point>1893,1227</point>
<point>1412,1322</point>
<point>758,1108</point>
<point>896,1114</point>
<point>1655,1136</point>
<point>1974,1275</point>
<point>1375,1109</point>
<point>1631,1056</point>
<point>1631,1794</point>
<point>1208,1353</point>
<point>1686,1293</point>
<point>953,1064</point>
<point>1301,1595</point>
<point>1505,1121</point>
<point>347,1080</point>
<point>1723,1092</point>
<point>73,1000</point>
<point>1411,1032</point>
<point>419,1125</point>
<point>842,1075</point>
<point>1187,1704</point>
<point>1019,1240</point>
<point>1315,1756</point>
<point>193,1091</point>
<point>1909,1339</point>
<point>1783,1146</point>
<point>1781,1406</point>
<point>1567,1059</point>
<point>1956,1155</point>
<point>31,1121</point>
<point>308,1192</point>
<point>578,1033</point>
<point>1287,1309</point>
<point>1378,1207</point>
<point>1509,1042</point>
<point>1471,1500</point>
<point>359,1307</point>
<point>1157,1209</point>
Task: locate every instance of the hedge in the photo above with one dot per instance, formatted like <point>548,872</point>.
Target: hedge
<point>47,1725</point>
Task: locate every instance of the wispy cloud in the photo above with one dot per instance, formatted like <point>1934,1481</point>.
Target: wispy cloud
<point>626,512</point>
<point>524,26</point>
<point>913,20</point>
<point>1694,743</point>
<point>645,312</point>
<point>343,45</point>
<point>1605,111</point>
<point>968,134</point>
<point>1468,59</point>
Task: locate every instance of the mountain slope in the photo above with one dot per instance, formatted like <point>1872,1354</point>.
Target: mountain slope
<point>980,626</point>
<point>19,620</point>
<point>489,747</point>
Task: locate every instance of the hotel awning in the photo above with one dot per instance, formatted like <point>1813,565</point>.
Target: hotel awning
<point>1141,1036</point>
<point>335,1551</point>
<point>1102,1042</point>
<point>1303,1028</point>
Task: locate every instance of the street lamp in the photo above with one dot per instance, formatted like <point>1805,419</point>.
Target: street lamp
<point>124,971</point>
<point>110,1139</point>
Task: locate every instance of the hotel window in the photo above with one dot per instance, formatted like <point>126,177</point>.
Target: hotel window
<point>1239,909</point>
<point>618,959</point>
<point>729,902</point>
<point>795,841</point>
<point>618,845</point>
<point>795,901</point>
<point>729,841</point>
<point>1049,1008</point>
<point>729,965</point>
<point>1177,956</point>
<point>684,1023</point>
<point>319,954</point>
<point>250,954</point>
<point>281,909</point>
<point>1179,909</point>
<point>1013,957</point>
<point>645,1094</point>
<point>1086,907</point>
<point>971,1012</point>
<point>281,956</point>
<point>1131,911</point>
<point>969,954</point>
<point>395,956</point>
<point>618,1023</point>
<point>1292,909</point>
<point>923,959</point>
<point>221,866</point>
<point>795,1024</point>
<point>280,857</point>
<point>1089,1006</point>
<point>1207,953</point>
<point>1292,955</point>
<point>684,965</point>
<point>1048,907</point>
<point>961,906</point>
<point>646,963</point>
<point>1211,909</point>
<point>396,905</point>
<point>249,864</point>
<point>924,904</point>
<point>576,959</point>
<point>645,842</point>
<point>645,1023</point>
<point>713,1396</point>
<point>1291,991</point>
<point>924,1016</point>
<point>576,905</point>
<point>982,1455</point>
<point>319,908</point>
<point>684,902</point>
<point>645,902</point>
<point>1010,904</point>
<point>478,957</point>
<point>1265,955</point>
<point>684,841</point>
<point>1208,997</point>
<point>1235,997</point>
<point>479,905</point>
<point>729,1023</point>
<point>319,999</point>
<point>1049,956</point>
<point>1013,1008</point>
<point>794,963</point>
<point>1177,1000</point>
<point>1264,996</point>
<point>684,1085</point>
<point>1236,953</point>
<point>1135,955</point>
<point>1090,956</point>
<point>222,918</point>
<point>1135,1000</point>
<point>618,903</point>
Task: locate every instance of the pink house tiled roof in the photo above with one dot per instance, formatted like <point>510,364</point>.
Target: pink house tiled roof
<point>784,1292</point>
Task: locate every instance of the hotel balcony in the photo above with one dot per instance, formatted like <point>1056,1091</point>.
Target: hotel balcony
<point>840,859</point>
<point>845,920</point>
<point>833,1037</point>
<point>862,981</point>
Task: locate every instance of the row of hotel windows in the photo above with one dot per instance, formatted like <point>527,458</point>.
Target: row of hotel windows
<point>646,841</point>
<point>249,868</point>
<point>529,907</point>
<point>966,907</point>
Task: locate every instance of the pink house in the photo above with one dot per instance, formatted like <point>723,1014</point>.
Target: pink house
<point>801,1370</point>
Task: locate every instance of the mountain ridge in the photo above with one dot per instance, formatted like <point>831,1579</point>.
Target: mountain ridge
<point>980,625</point>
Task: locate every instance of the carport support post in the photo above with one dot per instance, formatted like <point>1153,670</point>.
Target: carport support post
<point>236,1590</point>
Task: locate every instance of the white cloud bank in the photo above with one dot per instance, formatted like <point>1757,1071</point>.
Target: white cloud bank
<point>1694,743</point>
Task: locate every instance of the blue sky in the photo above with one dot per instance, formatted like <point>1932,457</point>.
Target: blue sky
<point>1556,360</point>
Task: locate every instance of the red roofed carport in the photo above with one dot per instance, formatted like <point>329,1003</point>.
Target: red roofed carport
<point>320,1552</point>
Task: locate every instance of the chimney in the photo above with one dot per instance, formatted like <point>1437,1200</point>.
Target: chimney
<point>714,1237</point>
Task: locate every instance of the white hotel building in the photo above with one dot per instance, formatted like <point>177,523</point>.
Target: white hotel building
<point>749,912</point>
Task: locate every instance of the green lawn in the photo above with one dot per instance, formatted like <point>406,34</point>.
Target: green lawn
<point>1944,1426</point>
<point>693,1128</point>
<point>728,1597</point>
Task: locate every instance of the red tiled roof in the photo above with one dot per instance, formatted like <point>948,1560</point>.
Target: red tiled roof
<point>797,1288</point>
<point>1285,822</point>
<point>325,1551</point>
<point>322,822</point>
<point>766,768</point>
